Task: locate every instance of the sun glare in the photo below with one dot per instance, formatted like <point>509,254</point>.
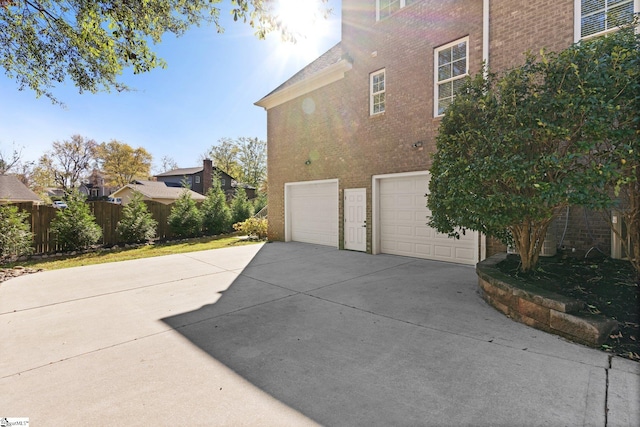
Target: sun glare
<point>305,21</point>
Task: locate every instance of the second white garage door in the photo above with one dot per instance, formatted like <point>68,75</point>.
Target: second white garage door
<point>312,212</point>
<point>403,223</point>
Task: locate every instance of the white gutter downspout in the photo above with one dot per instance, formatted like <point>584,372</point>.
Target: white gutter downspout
<point>485,59</point>
<point>485,33</point>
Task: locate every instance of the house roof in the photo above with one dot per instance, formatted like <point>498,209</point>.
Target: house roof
<point>159,190</point>
<point>13,190</point>
<point>182,171</point>
<point>328,68</point>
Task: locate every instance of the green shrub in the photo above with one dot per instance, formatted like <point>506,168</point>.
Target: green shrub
<point>259,202</point>
<point>252,227</point>
<point>185,218</point>
<point>216,215</point>
<point>137,223</point>
<point>75,226</point>
<point>15,233</point>
<point>241,207</point>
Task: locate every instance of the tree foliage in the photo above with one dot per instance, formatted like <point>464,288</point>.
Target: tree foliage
<point>75,226</point>
<point>243,158</point>
<point>122,163</point>
<point>252,157</point>
<point>44,42</point>
<point>225,157</point>
<point>513,150</point>
<point>137,223</point>
<point>241,207</point>
<point>216,215</point>
<point>608,78</point>
<point>69,160</point>
<point>185,219</point>
<point>16,237</point>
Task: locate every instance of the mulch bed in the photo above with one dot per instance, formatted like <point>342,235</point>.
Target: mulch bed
<point>607,286</point>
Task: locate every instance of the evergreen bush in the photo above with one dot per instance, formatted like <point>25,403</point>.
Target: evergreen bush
<point>75,226</point>
<point>16,237</point>
<point>137,223</point>
<point>241,207</point>
<point>185,218</point>
<point>216,215</point>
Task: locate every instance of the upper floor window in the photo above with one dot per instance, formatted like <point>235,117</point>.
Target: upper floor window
<point>451,67</point>
<point>599,16</point>
<point>386,8</point>
<point>377,91</point>
<point>197,179</point>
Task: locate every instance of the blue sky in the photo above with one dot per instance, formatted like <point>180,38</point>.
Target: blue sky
<point>205,93</point>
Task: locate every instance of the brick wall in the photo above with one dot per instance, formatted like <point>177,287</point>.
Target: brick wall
<point>518,26</point>
<point>332,127</point>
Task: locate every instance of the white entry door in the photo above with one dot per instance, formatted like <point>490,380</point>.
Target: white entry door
<point>355,219</point>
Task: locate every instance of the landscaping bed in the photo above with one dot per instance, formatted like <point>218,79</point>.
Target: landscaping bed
<point>608,288</point>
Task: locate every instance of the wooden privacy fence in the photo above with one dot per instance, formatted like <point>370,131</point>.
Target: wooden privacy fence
<point>107,217</point>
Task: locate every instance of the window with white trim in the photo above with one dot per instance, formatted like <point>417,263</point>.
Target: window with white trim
<point>601,16</point>
<point>451,67</point>
<point>197,179</point>
<point>385,8</point>
<point>377,91</point>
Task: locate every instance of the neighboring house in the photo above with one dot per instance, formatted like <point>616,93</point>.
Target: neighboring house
<point>155,191</point>
<point>350,135</point>
<point>198,178</point>
<point>94,187</point>
<point>12,190</point>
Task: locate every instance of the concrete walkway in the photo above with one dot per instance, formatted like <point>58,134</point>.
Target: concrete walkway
<point>290,334</point>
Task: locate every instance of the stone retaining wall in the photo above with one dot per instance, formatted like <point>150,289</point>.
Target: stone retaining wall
<point>539,308</point>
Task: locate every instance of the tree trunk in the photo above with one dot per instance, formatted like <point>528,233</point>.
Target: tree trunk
<point>528,236</point>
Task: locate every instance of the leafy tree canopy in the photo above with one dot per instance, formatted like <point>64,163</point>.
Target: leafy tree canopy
<point>513,150</point>
<point>68,161</point>
<point>243,158</point>
<point>43,42</point>
<point>122,163</point>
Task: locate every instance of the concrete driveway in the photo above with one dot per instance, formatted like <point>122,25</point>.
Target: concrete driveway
<point>290,334</point>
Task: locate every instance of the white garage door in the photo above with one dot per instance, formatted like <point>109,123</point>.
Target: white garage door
<point>312,212</point>
<point>403,218</point>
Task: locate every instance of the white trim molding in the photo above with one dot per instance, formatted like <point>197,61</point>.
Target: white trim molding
<point>577,20</point>
<point>322,78</point>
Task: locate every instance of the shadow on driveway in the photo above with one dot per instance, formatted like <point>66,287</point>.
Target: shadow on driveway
<point>348,338</point>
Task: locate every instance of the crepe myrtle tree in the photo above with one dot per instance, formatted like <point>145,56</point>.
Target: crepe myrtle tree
<point>513,150</point>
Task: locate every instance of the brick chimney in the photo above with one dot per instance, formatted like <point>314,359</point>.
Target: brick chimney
<point>207,175</point>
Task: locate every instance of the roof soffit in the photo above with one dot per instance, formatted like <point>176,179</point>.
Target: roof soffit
<point>315,81</point>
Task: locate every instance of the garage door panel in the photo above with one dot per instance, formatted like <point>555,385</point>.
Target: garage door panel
<point>465,254</point>
<point>424,232</point>
<point>313,213</point>
<point>403,217</point>
<point>424,250</point>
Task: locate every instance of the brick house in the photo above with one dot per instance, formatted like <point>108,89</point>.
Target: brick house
<point>350,135</point>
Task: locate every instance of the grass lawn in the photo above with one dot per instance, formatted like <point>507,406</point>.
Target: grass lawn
<point>159,249</point>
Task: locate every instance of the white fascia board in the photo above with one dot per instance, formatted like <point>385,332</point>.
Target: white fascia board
<point>322,78</point>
